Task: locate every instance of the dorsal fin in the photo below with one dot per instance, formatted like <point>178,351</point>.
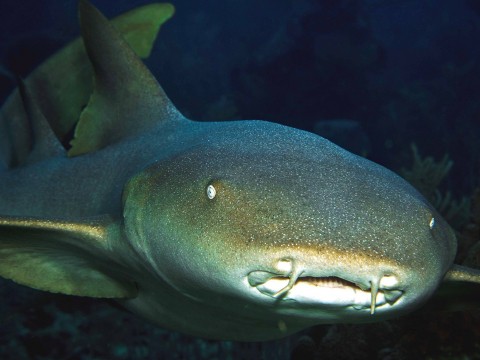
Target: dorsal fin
<point>44,142</point>
<point>62,85</point>
<point>126,99</point>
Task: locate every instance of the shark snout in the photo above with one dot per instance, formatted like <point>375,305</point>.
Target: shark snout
<point>289,281</point>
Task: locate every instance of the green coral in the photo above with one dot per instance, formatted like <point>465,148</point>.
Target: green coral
<point>426,174</point>
<point>471,233</point>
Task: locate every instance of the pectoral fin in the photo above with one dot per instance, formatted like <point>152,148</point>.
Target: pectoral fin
<point>74,258</point>
<point>459,291</point>
<point>462,274</point>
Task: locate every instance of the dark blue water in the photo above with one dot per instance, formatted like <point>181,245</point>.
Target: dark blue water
<point>399,72</point>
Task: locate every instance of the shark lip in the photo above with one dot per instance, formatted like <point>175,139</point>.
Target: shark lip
<point>329,291</point>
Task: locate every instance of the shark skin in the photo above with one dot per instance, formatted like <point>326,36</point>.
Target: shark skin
<point>243,230</point>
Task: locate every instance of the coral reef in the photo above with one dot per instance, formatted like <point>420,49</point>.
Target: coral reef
<point>49,326</point>
<point>426,334</point>
<point>469,237</point>
<point>426,175</point>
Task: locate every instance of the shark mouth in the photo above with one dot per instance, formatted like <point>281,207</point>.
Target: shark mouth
<point>328,291</point>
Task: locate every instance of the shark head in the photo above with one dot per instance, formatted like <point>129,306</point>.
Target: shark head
<point>285,224</point>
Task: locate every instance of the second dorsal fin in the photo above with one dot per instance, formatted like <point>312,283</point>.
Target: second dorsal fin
<point>126,99</point>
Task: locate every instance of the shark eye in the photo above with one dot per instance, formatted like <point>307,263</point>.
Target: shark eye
<point>432,223</point>
<point>211,192</point>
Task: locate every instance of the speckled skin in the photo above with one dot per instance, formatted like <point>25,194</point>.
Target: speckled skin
<point>281,195</point>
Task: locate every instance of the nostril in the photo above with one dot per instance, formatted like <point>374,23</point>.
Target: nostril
<point>284,266</point>
<point>388,281</point>
<point>256,278</point>
<point>392,295</point>
<point>389,286</point>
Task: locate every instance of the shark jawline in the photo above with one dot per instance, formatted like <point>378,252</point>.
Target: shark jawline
<point>377,296</point>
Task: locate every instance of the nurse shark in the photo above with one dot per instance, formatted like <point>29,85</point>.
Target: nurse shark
<point>240,230</point>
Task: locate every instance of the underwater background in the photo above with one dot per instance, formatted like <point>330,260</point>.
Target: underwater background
<point>395,81</point>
